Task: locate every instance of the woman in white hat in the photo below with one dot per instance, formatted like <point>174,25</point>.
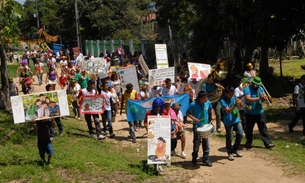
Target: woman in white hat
<point>250,72</point>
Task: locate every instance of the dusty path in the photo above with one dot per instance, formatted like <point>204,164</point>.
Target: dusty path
<point>254,166</point>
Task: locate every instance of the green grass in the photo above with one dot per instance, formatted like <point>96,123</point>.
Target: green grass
<point>11,70</point>
<point>77,158</point>
<point>291,68</point>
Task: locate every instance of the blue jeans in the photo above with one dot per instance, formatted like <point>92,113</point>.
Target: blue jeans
<point>59,125</point>
<point>39,76</point>
<point>45,148</point>
<point>197,140</point>
<point>132,130</point>
<point>237,127</point>
<point>107,115</point>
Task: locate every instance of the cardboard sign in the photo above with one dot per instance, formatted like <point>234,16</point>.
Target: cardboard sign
<point>129,75</point>
<point>158,76</point>
<point>199,71</point>
<point>27,109</point>
<point>161,56</point>
<point>92,104</point>
<point>143,64</point>
<point>159,140</point>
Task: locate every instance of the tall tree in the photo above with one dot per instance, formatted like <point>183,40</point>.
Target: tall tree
<point>9,33</point>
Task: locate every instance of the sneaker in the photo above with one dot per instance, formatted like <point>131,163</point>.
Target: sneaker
<point>160,169</point>
<point>207,163</point>
<point>112,135</point>
<point>91,136</point>
<point>248,145</point>
<point>51,138</point>
<point>238,154</point>
<point>100,137</point>
<point>105,133</point>
<point>183,154</point>
<point>137,129</point>
<point>78,118</point>
<point>173,153</point>
<point>218,130</point>
<point>230,157</point>
<point>134,141</point>
<point>270,146</point>
<point>75,117</point>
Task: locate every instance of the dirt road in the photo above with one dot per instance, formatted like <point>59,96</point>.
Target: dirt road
<point>254,166</point>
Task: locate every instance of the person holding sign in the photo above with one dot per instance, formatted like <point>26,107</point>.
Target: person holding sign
<point>200,111</point>
<point>90,91</point>
<point>168,89</point>
<point>42,126</point>
<point>231,121</point>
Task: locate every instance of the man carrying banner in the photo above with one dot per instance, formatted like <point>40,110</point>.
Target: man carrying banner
<point>131,94</point>
<point>200,111</point>
<point>90,91</point>
<point>42,126</point>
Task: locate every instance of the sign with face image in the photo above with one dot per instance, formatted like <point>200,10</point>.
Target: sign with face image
<point>92,104</point>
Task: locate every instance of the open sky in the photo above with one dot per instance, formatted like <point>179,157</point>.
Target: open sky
<point>20,1</point>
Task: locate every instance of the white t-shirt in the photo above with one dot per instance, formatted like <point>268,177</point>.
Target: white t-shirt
<point>238,92</point>
<point>194,87</point>
<point>299,90</point>
<point>76,89</point>
<point>250,75</point>
<point>108,96</point>
<point>64,63</point>
<point>85,92</point>
<point>171,91</point>
<point>153,92</point>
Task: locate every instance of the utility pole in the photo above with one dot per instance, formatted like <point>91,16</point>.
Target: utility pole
<point>77,26</point>
<point>37,15</point>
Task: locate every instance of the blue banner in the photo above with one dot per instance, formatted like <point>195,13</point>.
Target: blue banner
<point>137,109</point>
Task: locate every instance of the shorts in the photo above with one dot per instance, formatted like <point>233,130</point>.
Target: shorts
<point>45,148</point>
<point>53,82</point>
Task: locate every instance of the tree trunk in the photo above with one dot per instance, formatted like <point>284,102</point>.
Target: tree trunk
<point>248,56</point>
<point>238,63</point>
<point>264,66</point>
<point>4,91</point>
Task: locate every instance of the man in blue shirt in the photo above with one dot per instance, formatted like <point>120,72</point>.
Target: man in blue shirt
<point>231,120</point>
<point>210,88</point>
<point>54,111</point>
<point>255,95</point>
<point>200,111</point>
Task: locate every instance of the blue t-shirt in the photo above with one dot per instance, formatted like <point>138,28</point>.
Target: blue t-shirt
<point>208,88</point>
<point>233,117</point>
<point>54,110</point>
<point>257,107</point>
<point>200,112</point>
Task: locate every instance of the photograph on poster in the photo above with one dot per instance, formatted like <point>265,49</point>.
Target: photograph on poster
<point>92,104</point>
<point>33,104</point>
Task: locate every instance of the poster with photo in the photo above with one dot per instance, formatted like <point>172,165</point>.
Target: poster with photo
<point>28,109</point>
<point>158,76</point>
<point>161,56</point>
<point>159,140</point>
<point>92,104</point>
<point>198,70</point>
<point>129,75</point>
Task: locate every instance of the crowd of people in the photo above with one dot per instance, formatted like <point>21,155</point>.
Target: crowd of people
<point>239,108</point>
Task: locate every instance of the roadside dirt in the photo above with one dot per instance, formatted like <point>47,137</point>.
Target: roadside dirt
<point>254,166</point>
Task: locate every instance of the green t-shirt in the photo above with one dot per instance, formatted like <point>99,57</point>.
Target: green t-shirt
<point>82,82</point>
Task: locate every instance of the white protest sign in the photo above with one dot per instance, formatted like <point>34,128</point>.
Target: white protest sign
<point>198,70</point>
<point>26,110</point>
<point>158,76</point>
<point>161,56</point>
<point>159,140</point>
<point>129,75</point>
<point>143,64</point>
